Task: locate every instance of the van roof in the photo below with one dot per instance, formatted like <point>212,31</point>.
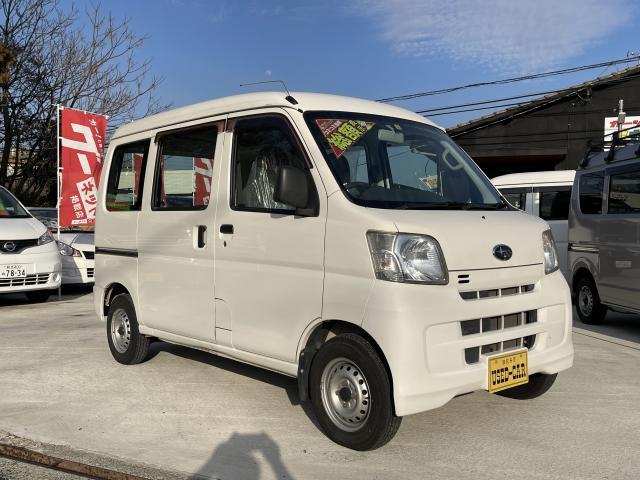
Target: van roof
<point>535,178</point>
<point>620,154</point>
<point>306,102</point>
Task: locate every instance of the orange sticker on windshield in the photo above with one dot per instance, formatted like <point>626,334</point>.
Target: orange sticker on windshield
<point>342,134</point>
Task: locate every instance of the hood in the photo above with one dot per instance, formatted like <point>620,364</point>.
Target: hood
<point>20,228</point>
<point>467,238</point>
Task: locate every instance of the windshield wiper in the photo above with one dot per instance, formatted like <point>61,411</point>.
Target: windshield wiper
<point>452,206</point>
<point>480,206</point>
<point>425,205</point>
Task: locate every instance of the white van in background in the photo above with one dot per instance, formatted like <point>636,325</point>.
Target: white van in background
<point>29,257</point>
<point>546,195</point>
<point>347,243</point>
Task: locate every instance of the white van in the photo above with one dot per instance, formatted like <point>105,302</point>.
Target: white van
<point>29,258</point>
<point>546,195</point>
<point>345,242</point>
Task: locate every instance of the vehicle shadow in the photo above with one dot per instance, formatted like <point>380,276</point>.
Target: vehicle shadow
<point>69,292</point>
<point>237,459</point>
<point>288,384</point>
<point>624,326</point>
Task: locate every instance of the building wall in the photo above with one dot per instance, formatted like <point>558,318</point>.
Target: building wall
<point>551,137</point>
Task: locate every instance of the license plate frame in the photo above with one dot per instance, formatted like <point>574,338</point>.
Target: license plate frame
<point>507,370</point>
<point>13,270</point>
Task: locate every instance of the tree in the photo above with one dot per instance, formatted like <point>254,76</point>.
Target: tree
<point>50,56</point>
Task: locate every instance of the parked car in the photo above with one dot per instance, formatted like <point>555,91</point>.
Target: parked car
<point>604,234</point>
<point>545,195</point>
<point>347,243</point>
<point>29,259</point>
<point>76,247</point>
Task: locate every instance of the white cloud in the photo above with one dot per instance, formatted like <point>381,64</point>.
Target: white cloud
<point>503,35</point>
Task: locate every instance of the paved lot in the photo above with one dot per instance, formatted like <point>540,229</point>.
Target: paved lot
<point>192,412</point>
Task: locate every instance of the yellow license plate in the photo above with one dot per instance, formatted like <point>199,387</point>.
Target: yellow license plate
<point>508,370</point>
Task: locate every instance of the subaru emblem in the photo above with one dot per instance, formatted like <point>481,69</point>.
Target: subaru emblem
<point>502,252</point>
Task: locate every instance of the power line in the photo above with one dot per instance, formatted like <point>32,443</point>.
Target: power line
<point>485,102</point>
<point>504,81</point>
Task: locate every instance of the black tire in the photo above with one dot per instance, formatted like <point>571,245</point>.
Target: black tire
<point>538,384</point>
<point>38,296</point>
<point>126,343</point>
<point>380,423</point>
<point>588,306</point>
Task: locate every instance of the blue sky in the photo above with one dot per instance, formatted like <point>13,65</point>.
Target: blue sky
<point>372,49</point>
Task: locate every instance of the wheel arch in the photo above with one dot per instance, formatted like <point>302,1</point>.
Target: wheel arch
<point>319,334</point>
<point>110,292</point>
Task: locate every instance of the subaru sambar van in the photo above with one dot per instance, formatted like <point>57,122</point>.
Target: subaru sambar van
<point>347,243</point>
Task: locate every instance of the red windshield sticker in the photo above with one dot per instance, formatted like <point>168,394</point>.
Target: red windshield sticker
<point>342,134</point>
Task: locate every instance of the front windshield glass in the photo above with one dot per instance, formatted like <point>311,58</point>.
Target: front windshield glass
<point>9,206</point>
<point>385,162</point>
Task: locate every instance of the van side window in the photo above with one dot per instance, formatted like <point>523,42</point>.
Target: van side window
<point>591,188</point>
<point>184,169</point>
<point>624,193</point>
<point>516,197</point>
<point>261,146</point>
<point>126,177</point>
<point>554,205</point>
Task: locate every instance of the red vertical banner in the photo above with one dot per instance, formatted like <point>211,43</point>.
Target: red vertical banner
<point>81,153</point>
<point>203,170</point>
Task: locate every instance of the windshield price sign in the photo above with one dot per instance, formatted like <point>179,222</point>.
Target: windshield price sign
<point>342,134</point>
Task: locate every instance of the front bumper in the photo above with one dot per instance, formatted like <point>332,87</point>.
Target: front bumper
<point>77,270</point>
<point>43,270</point>
<point>418,327</point>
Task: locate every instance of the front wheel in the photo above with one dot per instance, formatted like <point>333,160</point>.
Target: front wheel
<point>351,394</point>
<point>537,385</point>
<point>588,305</point>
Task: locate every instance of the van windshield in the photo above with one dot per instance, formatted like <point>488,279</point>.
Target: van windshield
<point>9,206</point>
<point>385,162</point>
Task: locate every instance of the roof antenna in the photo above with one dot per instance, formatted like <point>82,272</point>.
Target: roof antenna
<point>289,98</point>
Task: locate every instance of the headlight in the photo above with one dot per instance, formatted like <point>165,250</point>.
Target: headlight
<point>46,237</point>
<point>68,250</point>
<point>550,252</point>
<point>407,258</point>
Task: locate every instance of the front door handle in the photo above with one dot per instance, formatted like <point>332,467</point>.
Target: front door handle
<point>202,236</point>
<point>227,229</point>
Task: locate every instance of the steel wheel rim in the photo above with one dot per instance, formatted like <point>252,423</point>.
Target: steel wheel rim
<point>585,300</point>
<point>120,330</point>
<point>345,394</point>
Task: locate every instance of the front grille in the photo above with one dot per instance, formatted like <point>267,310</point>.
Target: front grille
<point>494,324</point>
<point>38,279</point>
<point>90,272</point>
<point>88,254</point>
<point>16,246</point>
<point>472,354</point>
<point>496,292</point>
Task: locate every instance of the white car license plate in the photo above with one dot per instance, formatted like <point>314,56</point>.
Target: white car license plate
<point>13,271</point>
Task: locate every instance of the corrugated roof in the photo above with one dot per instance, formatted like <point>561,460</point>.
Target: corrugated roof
<point>496,117</point>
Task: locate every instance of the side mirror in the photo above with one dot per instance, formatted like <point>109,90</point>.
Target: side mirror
<point>295,187</point>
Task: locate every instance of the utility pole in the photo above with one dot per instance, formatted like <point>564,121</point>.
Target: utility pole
<point>622,116</point>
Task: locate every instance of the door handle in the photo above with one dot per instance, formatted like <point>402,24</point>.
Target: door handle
<point>226,229</point>
<point>202,236</point>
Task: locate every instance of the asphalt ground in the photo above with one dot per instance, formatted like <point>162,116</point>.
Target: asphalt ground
<point>190,414</point>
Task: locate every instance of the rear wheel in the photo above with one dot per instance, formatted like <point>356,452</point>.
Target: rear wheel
<point>126,343</point>
<point>588,305</point>
<point>538,384</point>
<point>38,296</point>
<point>351,394</point>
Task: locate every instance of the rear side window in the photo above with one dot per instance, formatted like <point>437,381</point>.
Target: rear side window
<point>554,205</point>
<point>126,177</point>
<point>262,145</point>
<point>624,193</point>
<point>184,169</point>
<point>591,188</point>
